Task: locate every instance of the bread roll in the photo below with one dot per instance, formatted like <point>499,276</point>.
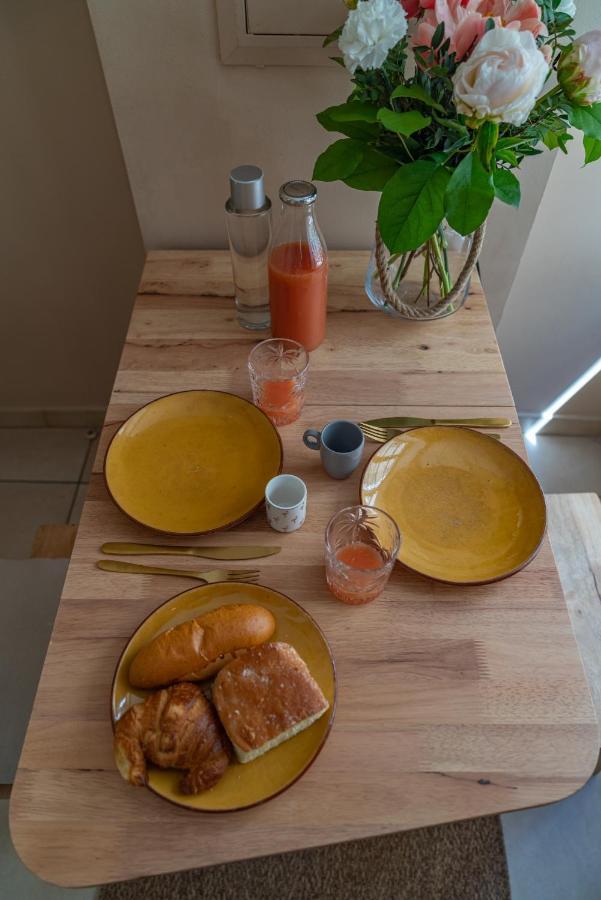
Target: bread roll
<point>200,647</point>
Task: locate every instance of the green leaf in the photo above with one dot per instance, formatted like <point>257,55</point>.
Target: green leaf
<point>403,122</point>
<point>412,205</point>
<point>508,156</point>
<point>333,37</point>
<point>362,131</point>
<point>451,124</point>
<point>373,172</point>
<point>469,195</point>
<point>555,139</point>
<point>507,187</point>
<point>437,36</point>
<point>354,111</point>
<point>587,119</point>
<point>592,150</point>
<point>550,140</point>
<point>339,160</point>
<point>488,136</point>
<point>415,92</point>
<point>503,143</point>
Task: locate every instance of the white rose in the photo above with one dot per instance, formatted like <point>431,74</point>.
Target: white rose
<point>579,70</point>
<point>502,78</point>
<point>568,7</point>
<point>370,31</point>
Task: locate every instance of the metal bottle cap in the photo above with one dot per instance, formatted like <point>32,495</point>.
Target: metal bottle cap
<point>247,191</point>
<point>298,193</point>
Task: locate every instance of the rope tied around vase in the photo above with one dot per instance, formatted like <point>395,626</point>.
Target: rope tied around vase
<point>415,312</point>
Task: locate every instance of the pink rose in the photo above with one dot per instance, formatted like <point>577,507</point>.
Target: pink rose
<point>465,21</point>
<point>414,7</point>
<point>525,15</point>
<point>411,7</point>
<point>463,25</point>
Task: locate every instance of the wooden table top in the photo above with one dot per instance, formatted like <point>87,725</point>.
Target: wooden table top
<point>453,702</point>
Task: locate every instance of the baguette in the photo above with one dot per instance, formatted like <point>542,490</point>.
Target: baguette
<point>200,647</point>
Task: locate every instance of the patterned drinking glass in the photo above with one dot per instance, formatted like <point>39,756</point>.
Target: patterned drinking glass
<point>362,543</point>
<point>278,374</point>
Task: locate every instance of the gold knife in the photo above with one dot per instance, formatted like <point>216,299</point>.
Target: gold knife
<point>133,549</point>
<point>414,421</point>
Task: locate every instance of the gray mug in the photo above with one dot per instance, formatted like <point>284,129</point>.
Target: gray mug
<point>340,444</point>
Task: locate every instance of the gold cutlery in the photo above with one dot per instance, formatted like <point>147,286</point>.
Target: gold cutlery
<point>210,577</point>
<point>131,549</point>
<point>415,421</point>
<point>381,435</point>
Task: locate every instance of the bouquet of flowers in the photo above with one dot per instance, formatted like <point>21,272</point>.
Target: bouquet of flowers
<point>449,97</point>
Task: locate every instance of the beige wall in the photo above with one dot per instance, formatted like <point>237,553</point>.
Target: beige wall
<point>69,239</point>
<point>550,328</point>
<point>185,120</point>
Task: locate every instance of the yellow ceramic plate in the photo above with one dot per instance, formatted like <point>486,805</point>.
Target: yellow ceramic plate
<point>468,508</point>
<point>192,462</point>
<point>263,778</point>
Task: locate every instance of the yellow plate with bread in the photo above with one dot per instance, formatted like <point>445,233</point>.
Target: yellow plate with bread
<point>239,691</point>
<point>192,462</point>
<point>469,509</point>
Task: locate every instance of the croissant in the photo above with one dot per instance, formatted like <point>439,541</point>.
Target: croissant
<point>174,728</point>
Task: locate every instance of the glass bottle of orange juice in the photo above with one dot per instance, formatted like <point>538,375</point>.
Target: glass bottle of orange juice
<point>298,269</point>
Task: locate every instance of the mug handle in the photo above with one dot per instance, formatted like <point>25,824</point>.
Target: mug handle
<point>312,438</point>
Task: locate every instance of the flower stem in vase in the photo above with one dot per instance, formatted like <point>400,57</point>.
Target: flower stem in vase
<point>442,266</point>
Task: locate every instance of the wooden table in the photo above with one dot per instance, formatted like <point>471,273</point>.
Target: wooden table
<point>453,702</point>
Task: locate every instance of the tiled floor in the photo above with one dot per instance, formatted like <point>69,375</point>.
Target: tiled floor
<point>43,479</point>
<point>42,473</point>
<point>552,851</point>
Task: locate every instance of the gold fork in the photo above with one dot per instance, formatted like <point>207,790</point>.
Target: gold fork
<point>381,435</point>
<point>212,576</point>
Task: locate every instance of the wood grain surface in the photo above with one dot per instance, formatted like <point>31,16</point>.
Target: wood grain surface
<point>575,532</point>
<point>453,702</point>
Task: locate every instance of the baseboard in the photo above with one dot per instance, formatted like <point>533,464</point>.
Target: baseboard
<point>59,417</point>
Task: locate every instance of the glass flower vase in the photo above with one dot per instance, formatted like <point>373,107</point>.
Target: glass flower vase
<point>422,284</point>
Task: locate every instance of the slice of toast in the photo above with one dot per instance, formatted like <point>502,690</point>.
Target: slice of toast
<point>264,697</point>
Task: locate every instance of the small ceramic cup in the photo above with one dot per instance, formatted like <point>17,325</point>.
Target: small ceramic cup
<point>340,444</point>
<point>286,502</point>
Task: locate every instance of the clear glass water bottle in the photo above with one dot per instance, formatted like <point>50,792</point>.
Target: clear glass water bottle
<point>248,220</point>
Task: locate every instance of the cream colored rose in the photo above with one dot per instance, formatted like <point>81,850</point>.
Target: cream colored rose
<point>502,78</point>
<point>579,70</point>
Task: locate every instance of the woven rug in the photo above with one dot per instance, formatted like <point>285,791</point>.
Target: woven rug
<point>459,861</point>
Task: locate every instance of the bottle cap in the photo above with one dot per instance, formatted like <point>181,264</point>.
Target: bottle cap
<point>298,193</point>
<point>247,191</point>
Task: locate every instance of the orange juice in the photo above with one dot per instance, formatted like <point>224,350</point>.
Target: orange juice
<point>360,556</point>
<point>362,575</point>
<point>282,401</point>
<point>298,293</point>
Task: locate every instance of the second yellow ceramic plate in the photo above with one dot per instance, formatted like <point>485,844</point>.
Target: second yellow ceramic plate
<point>192,462</point>
<point>250,783</point>
<point>469,510</point>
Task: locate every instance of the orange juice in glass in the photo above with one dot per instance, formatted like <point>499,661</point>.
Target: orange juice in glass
<point>278,374</point>
<point>298,269</point>
<point>362,543</point>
